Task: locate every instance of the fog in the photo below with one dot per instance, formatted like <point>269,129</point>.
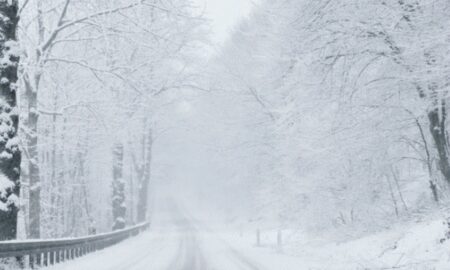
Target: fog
<point>210,135</point>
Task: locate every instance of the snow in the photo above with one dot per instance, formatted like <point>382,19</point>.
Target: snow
<point>5,185</point>
<point>5,155</point>
<point>313,119</point>
<point>409,246</point>
<point>4,80</point>
<point>13,144</point>
<point>13,48</point>
<point>13,200</point>
<point>183,238</point>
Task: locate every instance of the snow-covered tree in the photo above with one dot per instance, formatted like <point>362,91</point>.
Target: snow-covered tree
<point>10,156</point>
<point>118,186</point>
<point>347,102</point>
<point>90,74</point>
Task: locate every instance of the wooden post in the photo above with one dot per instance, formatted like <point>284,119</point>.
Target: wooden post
<point>279,240</point>
<point>258,238</point>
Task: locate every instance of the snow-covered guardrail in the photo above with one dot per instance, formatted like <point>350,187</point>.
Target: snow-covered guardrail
<point>49,252</point>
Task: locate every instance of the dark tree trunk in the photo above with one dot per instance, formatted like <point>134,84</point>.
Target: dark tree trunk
<point>432,181</point>
<point>118,200</point>
<point>437,118</point>
<point>10,156</point>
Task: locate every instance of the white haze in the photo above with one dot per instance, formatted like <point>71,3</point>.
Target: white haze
<point>272,134</point>
<point>224,15</point>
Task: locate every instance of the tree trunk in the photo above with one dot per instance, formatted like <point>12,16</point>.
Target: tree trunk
<point>32,136</point>
<point>10,156</point>
<point>437,117</point>
<point>63,189</point>
<point>432,181</point>
<point>118,201</point>
<point>33,166</point>
<point>145,180</point>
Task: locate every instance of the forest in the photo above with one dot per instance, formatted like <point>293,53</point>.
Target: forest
<point>319,126</point>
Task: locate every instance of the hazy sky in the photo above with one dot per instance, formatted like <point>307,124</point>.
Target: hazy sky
<point>224,14</point>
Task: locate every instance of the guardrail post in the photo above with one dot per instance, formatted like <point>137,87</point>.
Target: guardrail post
<point>31,261</point>
<point>39,259</point>
<point>45,258</point>
<point>20,260</point>
<point>52,257</point>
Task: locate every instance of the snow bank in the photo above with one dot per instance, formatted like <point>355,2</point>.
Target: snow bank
<point>410,246</point>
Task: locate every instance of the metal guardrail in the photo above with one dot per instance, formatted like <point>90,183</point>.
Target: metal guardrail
<point>49,252</point>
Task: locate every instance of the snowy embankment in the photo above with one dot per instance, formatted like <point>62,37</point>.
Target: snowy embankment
<point>410,246</point>
<point>413,245</point>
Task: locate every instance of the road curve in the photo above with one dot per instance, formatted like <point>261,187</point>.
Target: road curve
<point>175,241</point>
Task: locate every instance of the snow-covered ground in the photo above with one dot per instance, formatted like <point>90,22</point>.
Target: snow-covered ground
<point>410,246</point>
<point>183,240</point>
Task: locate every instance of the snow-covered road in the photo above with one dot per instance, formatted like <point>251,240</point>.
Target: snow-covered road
<point>200,248</point>
<point>175,241</point>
